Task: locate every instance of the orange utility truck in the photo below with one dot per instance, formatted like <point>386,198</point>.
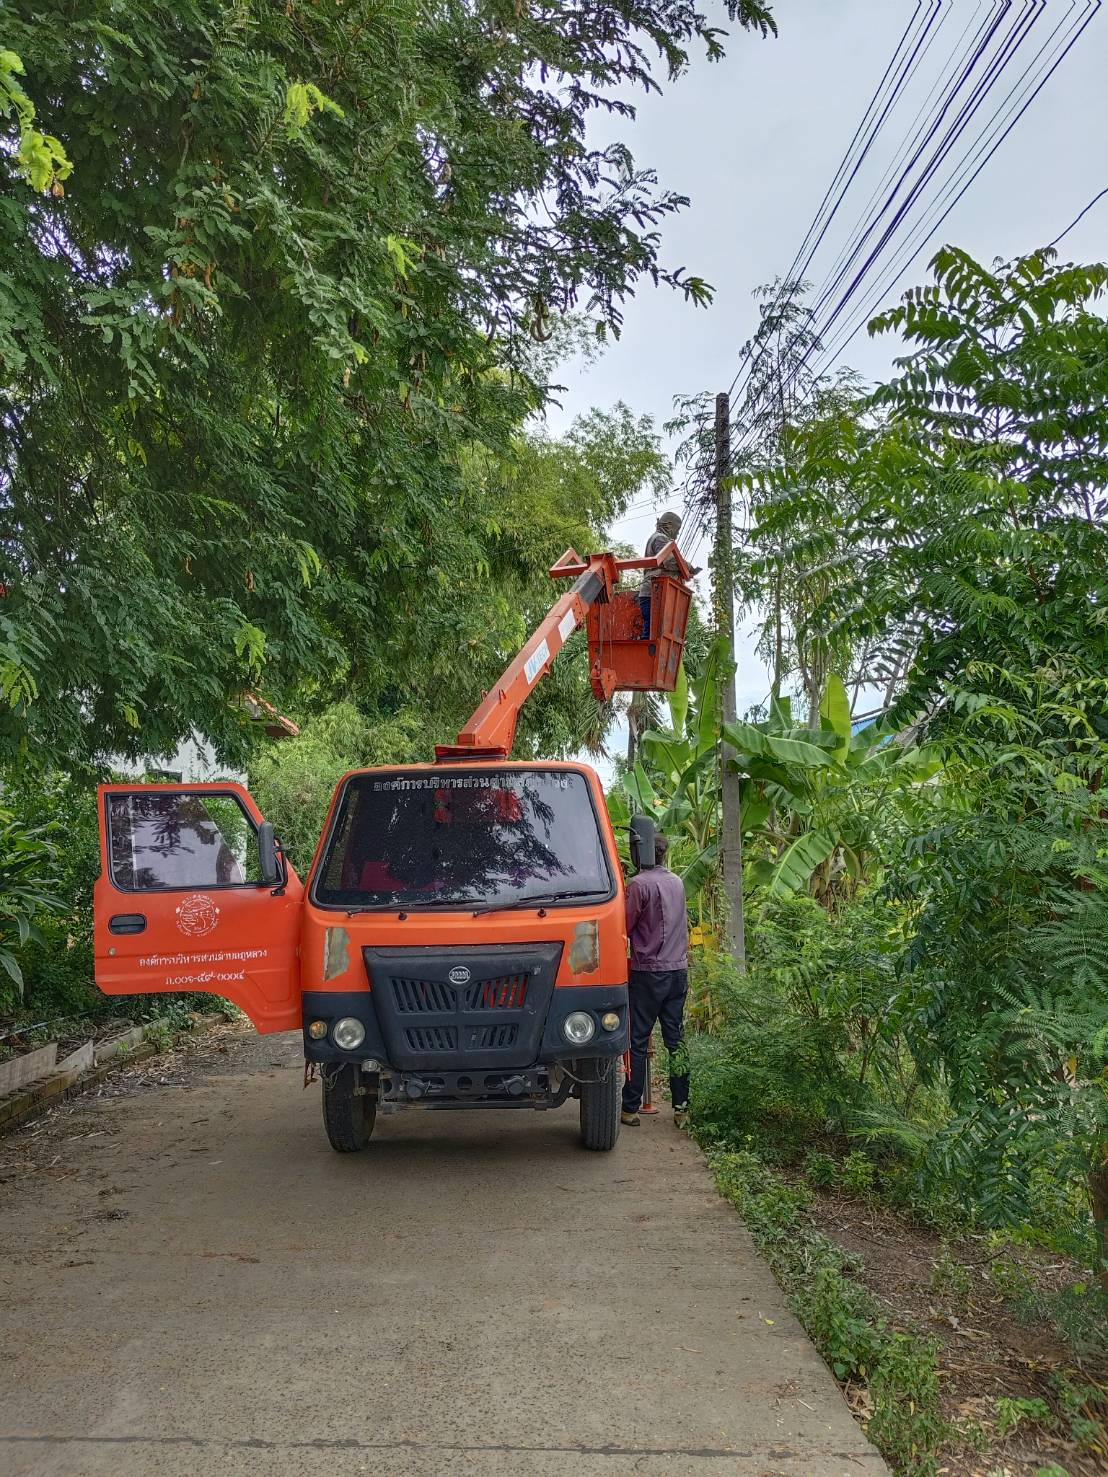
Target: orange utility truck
<point>460,939</point>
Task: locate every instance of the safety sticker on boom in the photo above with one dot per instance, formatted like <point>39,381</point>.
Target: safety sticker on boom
<point>536,661</point>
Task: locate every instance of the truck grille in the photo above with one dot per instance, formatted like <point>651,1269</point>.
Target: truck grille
<point>414,997</point>
<point>507,993</point>
<point>432,1038</point>
<point>495,1018</point>
<point>422,997</point>
<point>491,1038</point>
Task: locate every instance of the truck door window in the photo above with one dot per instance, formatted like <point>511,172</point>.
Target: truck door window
<point>159,840</point>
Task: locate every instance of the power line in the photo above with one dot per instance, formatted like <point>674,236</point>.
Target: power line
<point>971,168</point>
<point>1062,234</point>
<point>916,130</point>
<point>819,223</point>
<point>961,119</point>
<point>858,235</point>
<point>1010,111</point>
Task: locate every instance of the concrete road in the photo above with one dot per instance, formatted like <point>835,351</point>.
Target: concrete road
<point>192,1283</point>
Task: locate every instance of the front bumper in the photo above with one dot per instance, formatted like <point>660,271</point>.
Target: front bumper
<point>381,1042</point>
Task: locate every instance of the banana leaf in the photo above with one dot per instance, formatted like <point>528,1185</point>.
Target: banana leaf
<point>699,870</point>
<point>679,702</point>
<point>748,739</point>
<point>672,755</point>
<point>641,791</point>
<point>834,711</point>
<point>794,868</point>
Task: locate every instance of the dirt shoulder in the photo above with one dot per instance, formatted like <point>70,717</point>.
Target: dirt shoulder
<point>1016,1395</point>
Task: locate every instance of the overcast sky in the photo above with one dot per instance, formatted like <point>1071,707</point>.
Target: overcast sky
<point>754,141</point>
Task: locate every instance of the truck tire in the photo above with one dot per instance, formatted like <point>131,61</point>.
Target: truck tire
<point>348,1118</point>
<point>599,1090</point>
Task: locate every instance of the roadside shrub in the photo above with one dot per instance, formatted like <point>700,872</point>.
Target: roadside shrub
<point>820,1169</point>
<point>907,1423</point>
<point>28,896</point>
<point>948,1275</point>
<point>1012,1413</point>
<point>1012,1279</point>
<point>841,1319</point>
<point>56,960</point>
<point>857,1173</point>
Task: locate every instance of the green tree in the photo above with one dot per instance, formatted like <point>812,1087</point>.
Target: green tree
<point>978,542</point>
<point>289,284</point>
<point>481,583</point>
<point>995,531</point>
<point>979,554</point>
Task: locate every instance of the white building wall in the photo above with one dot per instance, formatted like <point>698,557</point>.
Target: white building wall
<point>193,762</point>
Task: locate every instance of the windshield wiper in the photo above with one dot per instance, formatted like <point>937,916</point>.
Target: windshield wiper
<point>423,905</point>
<point>533,899</point>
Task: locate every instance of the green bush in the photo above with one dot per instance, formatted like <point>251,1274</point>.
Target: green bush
<point>1012,1279</point>
<point>28,895</point>
<point>857,1173</point>
<point>841,1319</point>
<point>948,1275</point>
<point>1012,1413</point>
<point>57,960</point>
<point>907,1423</point>
<point>293,780</point>
<point>820,1169</point>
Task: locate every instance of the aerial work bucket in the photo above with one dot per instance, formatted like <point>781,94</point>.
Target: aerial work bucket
<point>622,656</point>
<point>625,658</point>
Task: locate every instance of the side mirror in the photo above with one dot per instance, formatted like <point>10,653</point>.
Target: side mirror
<point>268,860</point>
<point>643,833</point>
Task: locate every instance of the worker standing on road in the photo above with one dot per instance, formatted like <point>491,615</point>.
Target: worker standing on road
<point>658,927</point>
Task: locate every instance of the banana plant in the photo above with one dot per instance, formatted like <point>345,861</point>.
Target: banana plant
<point>826,791</point>
<point>813,796</point>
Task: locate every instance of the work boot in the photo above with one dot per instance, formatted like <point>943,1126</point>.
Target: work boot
<point>630,1119</point>
<point>680,1115</point>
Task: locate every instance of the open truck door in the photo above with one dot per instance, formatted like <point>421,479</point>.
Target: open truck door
<point>193,894</point>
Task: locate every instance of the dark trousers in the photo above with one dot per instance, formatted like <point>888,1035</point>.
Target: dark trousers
<point>644,609</point>
<point>656,995</point>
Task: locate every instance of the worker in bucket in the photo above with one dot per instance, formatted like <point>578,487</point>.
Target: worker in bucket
<point>669,526</point>
<point>658,928</point>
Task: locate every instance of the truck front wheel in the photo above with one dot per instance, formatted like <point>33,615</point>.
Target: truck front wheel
<point>599,1090</point>
<point>347,1116</point>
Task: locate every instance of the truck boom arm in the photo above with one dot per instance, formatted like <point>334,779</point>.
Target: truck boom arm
<point>490,729</point>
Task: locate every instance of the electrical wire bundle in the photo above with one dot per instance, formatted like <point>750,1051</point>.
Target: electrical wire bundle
<point>966,103</point>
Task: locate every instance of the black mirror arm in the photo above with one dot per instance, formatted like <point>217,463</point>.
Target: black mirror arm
<point>283,869</point>
<point>274,873</point>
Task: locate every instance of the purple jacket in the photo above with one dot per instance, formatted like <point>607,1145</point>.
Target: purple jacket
<point>657,921</point>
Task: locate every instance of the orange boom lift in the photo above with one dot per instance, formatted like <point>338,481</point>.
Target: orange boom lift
<point>460,939</point>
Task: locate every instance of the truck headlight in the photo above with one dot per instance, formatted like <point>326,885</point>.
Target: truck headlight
<point>348,1033</point>
<point>579,1027</point>
<point>610,1020</point>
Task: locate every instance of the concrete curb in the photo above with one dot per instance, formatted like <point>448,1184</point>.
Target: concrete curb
<point>86,1068</point>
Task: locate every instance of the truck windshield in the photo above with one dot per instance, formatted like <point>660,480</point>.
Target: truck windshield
<point>485,837</point>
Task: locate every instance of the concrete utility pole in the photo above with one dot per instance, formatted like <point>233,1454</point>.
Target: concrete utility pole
<point>731,837</point>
